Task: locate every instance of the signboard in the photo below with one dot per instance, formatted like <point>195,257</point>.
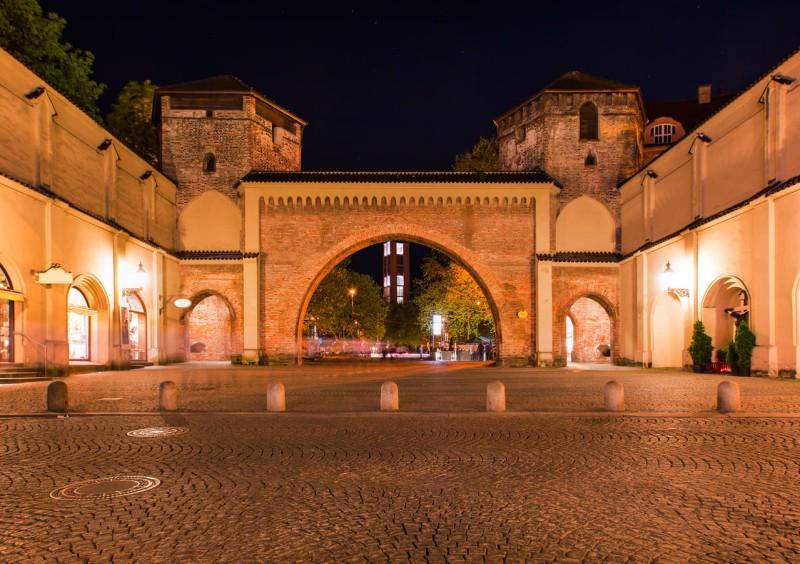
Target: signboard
<point>437,324</point>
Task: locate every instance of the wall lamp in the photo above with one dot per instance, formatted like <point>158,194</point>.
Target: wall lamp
<point>177,301</point>
<point>104,145</point>
<point>783,79</point>
<point>651,173</point>
<point>35,93</point>
<point>669,278</point>
<point>704,138</point>
<point>140,278</point>
<point>147,174</point>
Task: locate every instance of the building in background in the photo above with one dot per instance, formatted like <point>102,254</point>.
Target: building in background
<point>396,272</point>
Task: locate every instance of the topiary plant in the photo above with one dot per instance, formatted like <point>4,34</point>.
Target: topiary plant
<point>700,349</point>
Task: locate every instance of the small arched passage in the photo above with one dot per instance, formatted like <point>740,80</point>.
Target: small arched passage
<point>725,293</point>
<point>463,256</point>
<point>667,332</point>
<point>208,328</point>
<point>593,331</point>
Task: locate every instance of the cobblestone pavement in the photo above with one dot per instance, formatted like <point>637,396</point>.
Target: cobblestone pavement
<point>423,386</point>
<point>334,480</point>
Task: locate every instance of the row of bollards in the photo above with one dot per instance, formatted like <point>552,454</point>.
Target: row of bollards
<point>728,399</point>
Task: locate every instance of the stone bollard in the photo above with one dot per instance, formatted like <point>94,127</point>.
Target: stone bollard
<point>390,397</point>
<point>728,400</point>
<point>614,396</point>
<point>57,399</point>
<point>168,396</point>
<point>496,397</point>
<point>276,397</point>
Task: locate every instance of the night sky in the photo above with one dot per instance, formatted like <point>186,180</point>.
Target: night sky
<point>407,86</point>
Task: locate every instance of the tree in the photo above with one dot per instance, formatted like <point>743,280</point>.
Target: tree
<point>35,40</point>
<point>131,119</point>
<point>482,158</point>
<point>402,324</point>
<point>700,348</point>
<point>335,314</point>
<point>448,289</point>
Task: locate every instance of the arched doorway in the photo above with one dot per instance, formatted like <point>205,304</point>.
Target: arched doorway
<point>208,328</point>
<point>137,328</point>
<point>591,327</point>
<point>463,350</point>
<point>9,298</point>
<point>667,332</point>
<point>726,302</point>
<point>87,321</point>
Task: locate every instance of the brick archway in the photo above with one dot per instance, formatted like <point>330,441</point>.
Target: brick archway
<point>302,231</point>
<point>208,328</point>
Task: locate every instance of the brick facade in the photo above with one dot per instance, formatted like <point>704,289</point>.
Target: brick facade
<point>601,285</point>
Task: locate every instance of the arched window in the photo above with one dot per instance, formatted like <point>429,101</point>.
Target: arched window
<point>7,299</point>
<point>79,326</point>
<point>209,163</point>
<point>591,160</point>
<point>662,133</point>
<point>588,121</point>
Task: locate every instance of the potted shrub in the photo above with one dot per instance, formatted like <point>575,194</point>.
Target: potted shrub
<point>722,360</point>
<point>745,343</point>
<point>700,349</point>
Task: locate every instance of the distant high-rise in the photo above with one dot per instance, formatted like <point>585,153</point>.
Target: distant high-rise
<point>395,272</point>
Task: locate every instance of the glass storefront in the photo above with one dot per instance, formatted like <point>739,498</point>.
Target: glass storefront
<point>79,325</point>
<point>137,328</point>
<point>7,299</point>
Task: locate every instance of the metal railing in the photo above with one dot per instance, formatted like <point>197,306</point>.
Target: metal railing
<point>41,344</point>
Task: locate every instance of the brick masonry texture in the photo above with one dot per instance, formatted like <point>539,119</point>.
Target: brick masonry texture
<point>240,141</point>
<point>572,283</point>
<point>592,329</point>
<point>494,243</point>
<point>215,318</point>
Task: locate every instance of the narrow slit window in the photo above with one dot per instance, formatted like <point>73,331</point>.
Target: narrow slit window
<point>588,116</point>
<point>209,163</point>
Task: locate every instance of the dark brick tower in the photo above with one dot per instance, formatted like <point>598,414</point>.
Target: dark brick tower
<point>216,130</point>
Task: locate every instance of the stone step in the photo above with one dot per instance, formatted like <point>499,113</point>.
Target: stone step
<point>20,375</point>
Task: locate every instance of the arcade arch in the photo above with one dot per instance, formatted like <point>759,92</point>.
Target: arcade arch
<point>209,326</point>
<point>726,300</point>
<point>88,320</point>
<point>590,321</point>
<point>471,264</point>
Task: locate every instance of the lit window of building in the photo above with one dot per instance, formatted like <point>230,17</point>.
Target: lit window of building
<point>662,133</point>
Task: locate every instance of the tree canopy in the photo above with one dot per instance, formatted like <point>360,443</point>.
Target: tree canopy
<point>34,38</point>
<point>130,119</point>
<point>333,312</point>
<point>402,325</point>
<point>448,289</point>
<point>482,158</point>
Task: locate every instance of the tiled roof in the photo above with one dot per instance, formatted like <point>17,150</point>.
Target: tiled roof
<point>574,81</point>
<point>222,83</point>
<point>575,256</point>
<point>214,255</point>
<point>689,113</point>
<point>533,177</point>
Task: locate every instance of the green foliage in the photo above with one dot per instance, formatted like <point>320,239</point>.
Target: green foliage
<point>482,158</point>
<point>448,289</point>
<point>34,38</point>
<point>733,358</point>
<point>130,120</point>
<point>745,343</point>
<point>700,349</point>
<point>332,311</point>
<point>722,355</point>
<point>402,325</point>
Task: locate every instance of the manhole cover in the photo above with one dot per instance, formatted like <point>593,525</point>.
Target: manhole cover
<point>158,432</point>
<point>104,488</point>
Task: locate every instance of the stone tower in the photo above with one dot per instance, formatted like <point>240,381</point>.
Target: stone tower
<point>584,131</point>
<point>216,130</point>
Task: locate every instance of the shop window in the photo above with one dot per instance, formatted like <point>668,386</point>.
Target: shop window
<point>7,299</point>
<point>78,325</point>
<point>137,328</point>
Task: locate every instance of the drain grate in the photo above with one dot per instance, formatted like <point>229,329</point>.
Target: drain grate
<point>159,432</point>
<point>105,488</point>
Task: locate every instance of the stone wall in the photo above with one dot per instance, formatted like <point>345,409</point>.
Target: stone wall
<point>592,336</point>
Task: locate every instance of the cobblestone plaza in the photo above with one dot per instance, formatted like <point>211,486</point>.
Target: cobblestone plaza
<point>333,479</point>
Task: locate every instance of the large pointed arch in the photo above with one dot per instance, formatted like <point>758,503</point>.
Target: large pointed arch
<point>585,224</point>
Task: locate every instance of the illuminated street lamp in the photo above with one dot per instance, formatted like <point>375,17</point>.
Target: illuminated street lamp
<point>352,292</point>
